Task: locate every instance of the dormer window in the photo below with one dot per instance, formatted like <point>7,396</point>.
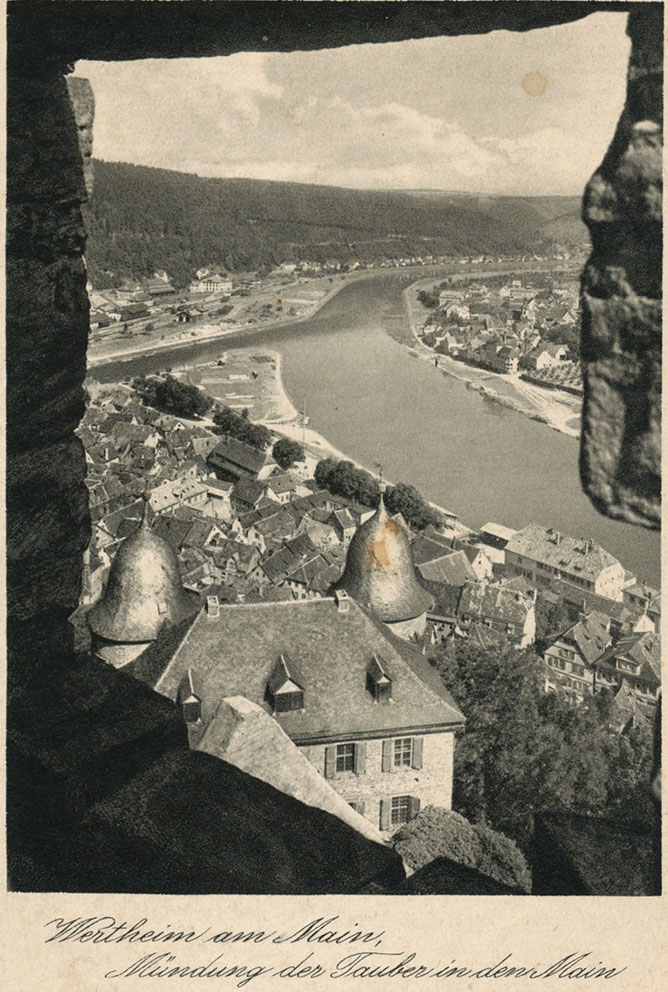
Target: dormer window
<point>189,701</point>
<point>285,688</point>
<point>379,680</point>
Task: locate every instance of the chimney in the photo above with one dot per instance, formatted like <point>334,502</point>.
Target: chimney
<point>212,607</point>
<point>342,600</point>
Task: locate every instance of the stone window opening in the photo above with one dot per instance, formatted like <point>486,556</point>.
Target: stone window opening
<point>47,308</point>
<point>345,758</point>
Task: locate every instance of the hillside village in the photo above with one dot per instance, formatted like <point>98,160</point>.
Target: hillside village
<point>245,531</point>
<point>525,325</point>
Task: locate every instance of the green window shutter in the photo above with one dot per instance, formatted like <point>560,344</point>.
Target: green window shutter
<point>415,806</point>
<point>360,758</point>
<point>388,755</point>
<point>330,761</point>
<point>418,743</point>
<point>385,814</point>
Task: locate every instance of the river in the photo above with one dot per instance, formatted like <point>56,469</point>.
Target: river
<point>370,398</point>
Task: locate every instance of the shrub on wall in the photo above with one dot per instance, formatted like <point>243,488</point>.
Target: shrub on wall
<point>436,832</point>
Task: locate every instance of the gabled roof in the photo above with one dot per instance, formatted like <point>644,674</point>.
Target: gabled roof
<point>426,549</point>
<point>285,670</point>
<point>641,649</point>
<point>172,529</point>
<point>343,518</point>
<point>496,602</point>
<point>589,635</point>
<point>278,565</point>
<point>286,482</point>
<point>486,637</point>
<point>248,491</point>
<point>452,569</point>
<point>236,453</point>
<point>235,654</point>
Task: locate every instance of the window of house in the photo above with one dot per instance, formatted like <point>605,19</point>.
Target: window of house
<point>379,680</point>
<point>403,751</point>
<point>400,810</point>
<point>285,688</point>
<point>345,757</point>
<point>192,709</point>
<point>286,701</point>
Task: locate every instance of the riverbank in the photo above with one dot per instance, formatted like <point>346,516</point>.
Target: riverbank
<point>268,403</point>
<point>100,353</point>
<point>369,398</point>
<point>560,412</point>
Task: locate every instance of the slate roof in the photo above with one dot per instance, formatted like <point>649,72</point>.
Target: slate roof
<point>426,549</point>
<point>172,529</point>
<point>236,653</point>
<point>590,636</point>
<point>248,491</point>
<point>286,482</point>
<point>452,569</point>
<point>482,599</point>
<point>561,551</point>
<point>643,649</point>
<point>236,453</point>
<point>278,565</point>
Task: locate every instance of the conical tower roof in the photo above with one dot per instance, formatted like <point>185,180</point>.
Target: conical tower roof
<point>379,572</point>
<point>143,592</point>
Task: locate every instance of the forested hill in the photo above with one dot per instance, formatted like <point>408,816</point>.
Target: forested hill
<point>142,219</point>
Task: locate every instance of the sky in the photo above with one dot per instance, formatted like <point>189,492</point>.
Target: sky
<point>504,113</point>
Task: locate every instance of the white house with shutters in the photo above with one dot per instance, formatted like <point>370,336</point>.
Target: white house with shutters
<point>363,706</point>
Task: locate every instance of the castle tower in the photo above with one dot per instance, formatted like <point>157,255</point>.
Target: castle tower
<point>143,594</point>
<point>380,575</point>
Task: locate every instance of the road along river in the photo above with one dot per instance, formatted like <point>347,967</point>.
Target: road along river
<point>371,398</point>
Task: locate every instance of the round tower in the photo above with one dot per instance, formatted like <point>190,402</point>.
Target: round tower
<point>380,575</point>
<point>143,594</point>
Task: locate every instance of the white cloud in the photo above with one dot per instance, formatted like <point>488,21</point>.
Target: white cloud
<point>447,113</point>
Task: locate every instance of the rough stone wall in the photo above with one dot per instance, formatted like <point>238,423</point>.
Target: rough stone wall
<point>48,524</point>
<point>620,458</point>
<point>83,105</point>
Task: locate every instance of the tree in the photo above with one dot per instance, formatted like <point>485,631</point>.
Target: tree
<point>344,479</point>
<point>551,618</point>
<point>286,452</point>
<point>436,832</point>
<point>323,471</point>
<point>241,427</point>
<point>523,750</point>
<point>173,396</point>
<point>406,500</point>
<point>428,300</point>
